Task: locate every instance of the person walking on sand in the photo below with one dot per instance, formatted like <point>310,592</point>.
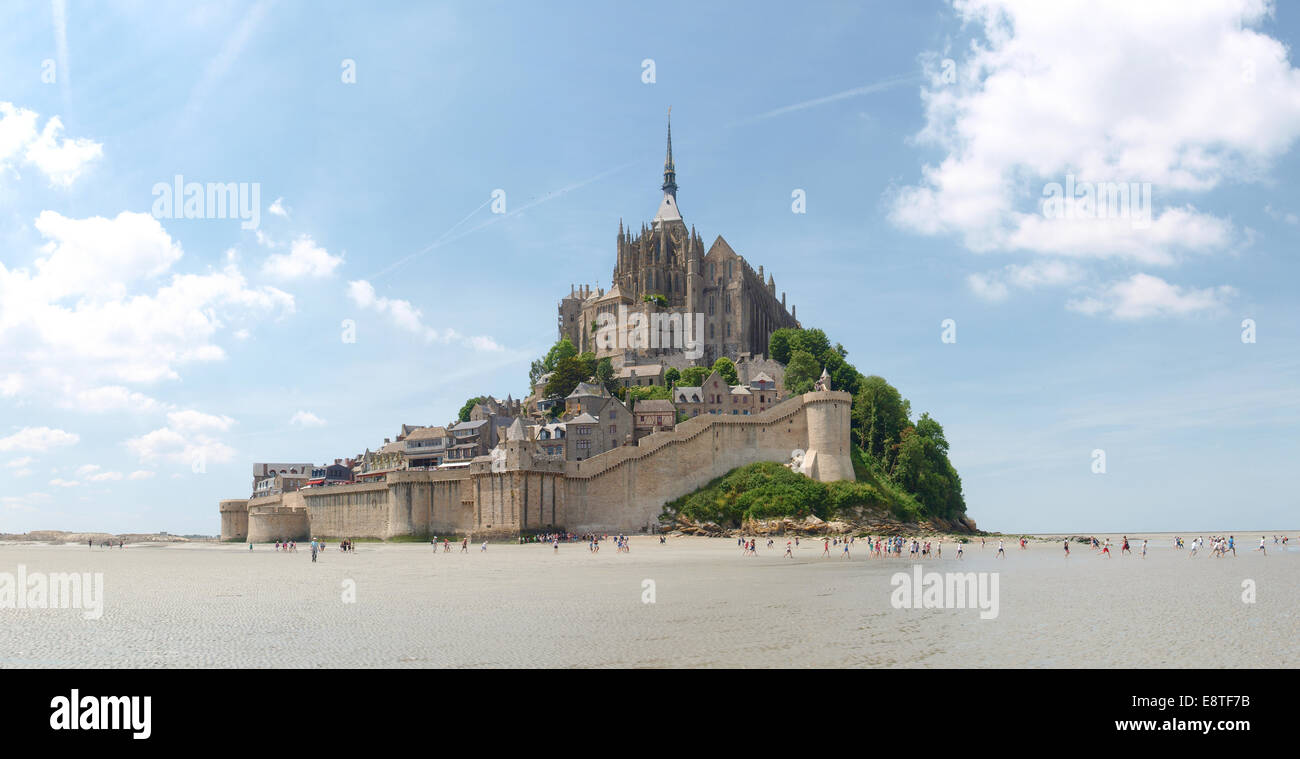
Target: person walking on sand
<point>845,555</point>
<point>313,550</point>
<point>789,552</point>
<point>464,544</point>
<point>483,547</point>
<point>959,551</point>
<point>1066,544</point>
<point>826,547</point>
<point>1144,548</point>
<point>1261,546</point>
<point>1125,549</point>
<point>1002,551</point>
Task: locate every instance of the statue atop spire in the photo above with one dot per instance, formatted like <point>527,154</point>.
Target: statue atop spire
<point>670,171</point>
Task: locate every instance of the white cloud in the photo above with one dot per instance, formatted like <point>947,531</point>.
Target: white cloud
<point>99,257</point>
<point>996,285</point>
<point>1143,295</point>
<point>37,439</point>
<point>307,419</point>
<point>109,329</point>
<point>190,420</point>
<point>110,398</point>
<point>61,159</point>
<point>189,437</point>
<point>141,474</point>
<point>277,208</point>
<point>1286,216</point>
<point>10,384</point>
<point>27,502</point>
<point>1185,95</point>
<point>409,318</point>
<point>304,259</point>
<point>62,483</point>
<point>20,462</point>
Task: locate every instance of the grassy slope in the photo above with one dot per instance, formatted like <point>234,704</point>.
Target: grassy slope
<point>767,490</point>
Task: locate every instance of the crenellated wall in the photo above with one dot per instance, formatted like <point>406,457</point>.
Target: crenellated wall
<point>622,490</point>
<point>277,517</point>
<point>626,489</point>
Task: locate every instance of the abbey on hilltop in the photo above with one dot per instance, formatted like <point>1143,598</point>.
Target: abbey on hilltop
<point>664,270</point>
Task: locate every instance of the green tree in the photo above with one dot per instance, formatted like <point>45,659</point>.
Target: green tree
<point>812,341</point>
<point>843,375</point>
<point>605,373</point>
<point>568,373</point>
<point>562,349</point>
<point>801,373</point>
<point>694,376</point>
<point>468,407</point>
<point>638,393</point>
<point>880,414</point>
<point>671,376</point>
<point>725,367</point>
<point>778,345</point>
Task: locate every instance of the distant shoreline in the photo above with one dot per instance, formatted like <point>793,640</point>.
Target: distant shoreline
<point>67,536</point>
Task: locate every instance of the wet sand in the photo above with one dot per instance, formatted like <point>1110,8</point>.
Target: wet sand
<point>220,605</point>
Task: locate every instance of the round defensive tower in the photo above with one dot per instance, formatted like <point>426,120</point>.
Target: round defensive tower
<point>267,524</point>
<point>827,458</point>
<point>234,519</point>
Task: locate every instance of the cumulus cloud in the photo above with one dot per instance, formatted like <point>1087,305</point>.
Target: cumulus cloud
<point>95,473</point>
<point>61,159</point>
<point>996,285</point>
<point>141,474</point>
<point>109,398</point>
<point>409,318</point>
<point>38,439</point>
<point>305,259</point>
<point>1143,295</point>
<point>1181,97</point>
<point>277,208</point>
<point>191,437</point>
<point>90,310</point>
<point>306,419</point>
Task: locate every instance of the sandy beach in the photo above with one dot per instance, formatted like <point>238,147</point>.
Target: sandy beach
<point>221,605</point>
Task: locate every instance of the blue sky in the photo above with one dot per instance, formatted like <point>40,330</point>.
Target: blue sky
<point>923,134</point>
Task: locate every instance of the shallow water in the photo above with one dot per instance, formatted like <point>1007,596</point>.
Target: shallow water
<point>224,606</point>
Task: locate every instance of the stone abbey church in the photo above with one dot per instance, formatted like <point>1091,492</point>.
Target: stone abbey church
<point>663,270</point>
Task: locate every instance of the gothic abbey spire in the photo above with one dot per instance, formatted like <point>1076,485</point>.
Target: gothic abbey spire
<point>670,171</point>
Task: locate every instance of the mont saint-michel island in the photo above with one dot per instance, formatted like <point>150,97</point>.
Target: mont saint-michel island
<point>844,336</point>
<point>689,370</point>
